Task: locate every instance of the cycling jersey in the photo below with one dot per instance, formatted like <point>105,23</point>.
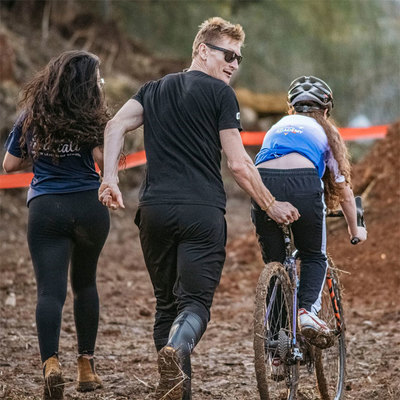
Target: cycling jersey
<point>303,135</point>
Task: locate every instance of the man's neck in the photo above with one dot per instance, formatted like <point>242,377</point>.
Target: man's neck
<point>198,66</point>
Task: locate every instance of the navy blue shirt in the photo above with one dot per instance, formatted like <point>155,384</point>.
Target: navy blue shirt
<point>74,172</point>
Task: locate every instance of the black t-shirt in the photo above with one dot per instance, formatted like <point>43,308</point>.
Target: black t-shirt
<point>183,114</point>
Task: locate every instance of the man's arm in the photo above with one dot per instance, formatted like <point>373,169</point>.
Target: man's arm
<point>128,118</point>
<point>248,178</point>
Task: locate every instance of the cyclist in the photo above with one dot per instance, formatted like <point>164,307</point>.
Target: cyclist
<point>303,160</point>
<point>59,131</point>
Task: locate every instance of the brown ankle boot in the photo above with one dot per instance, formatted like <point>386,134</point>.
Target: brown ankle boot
<point>88,380</point>
<point>53,380</point>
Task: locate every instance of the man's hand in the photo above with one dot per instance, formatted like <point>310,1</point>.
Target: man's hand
<point>283,212</point>
<point>110,196</point>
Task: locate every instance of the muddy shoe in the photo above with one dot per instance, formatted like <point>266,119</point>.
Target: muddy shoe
<point>53,380</point>
<point>88,380</point>
<point>315,330</point>
<point>172,377</point>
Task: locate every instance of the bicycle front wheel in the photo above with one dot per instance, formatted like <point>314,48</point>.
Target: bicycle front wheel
<point>273,331</point>
<point>330,363</point>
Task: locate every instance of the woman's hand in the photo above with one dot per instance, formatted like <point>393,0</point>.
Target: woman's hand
<point>361,234</point>
<point>110,196</point>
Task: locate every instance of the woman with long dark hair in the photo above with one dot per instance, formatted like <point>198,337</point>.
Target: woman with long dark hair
<point>60,132</point>
<point>303,160</point>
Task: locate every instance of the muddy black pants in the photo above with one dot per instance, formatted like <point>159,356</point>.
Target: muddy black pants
<point>63,229</point>
<point>302,188</point>
<point>184,251</point>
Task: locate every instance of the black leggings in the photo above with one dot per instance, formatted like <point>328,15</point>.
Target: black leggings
<point>64,228</point>
<point>302,188</point>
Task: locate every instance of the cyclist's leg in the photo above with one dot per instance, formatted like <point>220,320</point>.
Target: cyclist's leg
<point>269,235</point>
<point>157,238</point>
<point>310,239</point>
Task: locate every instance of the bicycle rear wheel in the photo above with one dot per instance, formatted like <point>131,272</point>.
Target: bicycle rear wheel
<point>272,334</point>
<point>330,363</point>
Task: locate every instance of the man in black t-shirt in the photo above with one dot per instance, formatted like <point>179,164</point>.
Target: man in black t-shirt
<point>188,119</point>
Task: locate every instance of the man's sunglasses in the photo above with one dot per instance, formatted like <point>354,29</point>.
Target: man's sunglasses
<point>230,56</point>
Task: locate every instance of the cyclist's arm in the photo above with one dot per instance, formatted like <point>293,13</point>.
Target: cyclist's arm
<point>348,205</point>
<point>248,178</point>
<point>128,118</point>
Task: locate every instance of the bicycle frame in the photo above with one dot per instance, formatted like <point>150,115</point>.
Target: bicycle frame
<point>285,358</point>
<point>291,268</point>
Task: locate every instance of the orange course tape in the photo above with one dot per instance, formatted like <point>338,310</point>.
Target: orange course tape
<point>249,139</point>
<point>372,132</point>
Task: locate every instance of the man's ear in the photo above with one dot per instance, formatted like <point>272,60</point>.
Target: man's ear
<point>203,51</point>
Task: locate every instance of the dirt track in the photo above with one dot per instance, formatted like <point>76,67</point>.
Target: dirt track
<point>223,361</point>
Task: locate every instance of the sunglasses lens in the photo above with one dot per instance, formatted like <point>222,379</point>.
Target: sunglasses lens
<point>229,56</point>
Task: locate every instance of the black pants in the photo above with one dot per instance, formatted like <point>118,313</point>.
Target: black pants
<point>302,188</point>
<point>66,228</point>
<point>184,251</point>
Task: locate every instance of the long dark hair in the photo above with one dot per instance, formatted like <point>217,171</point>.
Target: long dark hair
<point>64,104</point>
<point>338,148</point>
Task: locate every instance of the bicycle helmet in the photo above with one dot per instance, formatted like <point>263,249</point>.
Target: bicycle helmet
<point>310,88</point>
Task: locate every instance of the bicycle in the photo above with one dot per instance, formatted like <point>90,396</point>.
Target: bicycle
<point>277,336</point>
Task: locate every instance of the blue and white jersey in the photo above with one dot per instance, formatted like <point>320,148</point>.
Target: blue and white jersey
<point>74,172</point>
<point>303,135</point>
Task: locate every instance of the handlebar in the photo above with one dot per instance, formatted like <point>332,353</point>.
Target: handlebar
<point>360,217</point>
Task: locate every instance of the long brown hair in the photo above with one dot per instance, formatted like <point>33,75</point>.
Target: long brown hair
<point>64,104</point>
<point>339,152</point>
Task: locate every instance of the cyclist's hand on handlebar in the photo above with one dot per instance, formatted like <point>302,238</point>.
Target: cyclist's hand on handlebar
<point>283,212</point>
<point>360,237</point>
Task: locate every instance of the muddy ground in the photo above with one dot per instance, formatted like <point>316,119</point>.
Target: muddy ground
<point>223,361</point>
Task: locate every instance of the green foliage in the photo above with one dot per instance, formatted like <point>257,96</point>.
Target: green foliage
<point>352,44</point>
<point>349,43</point>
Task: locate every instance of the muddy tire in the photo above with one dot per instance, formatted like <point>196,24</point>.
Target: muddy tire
<point>330,363</point>
<point>272,317</point>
